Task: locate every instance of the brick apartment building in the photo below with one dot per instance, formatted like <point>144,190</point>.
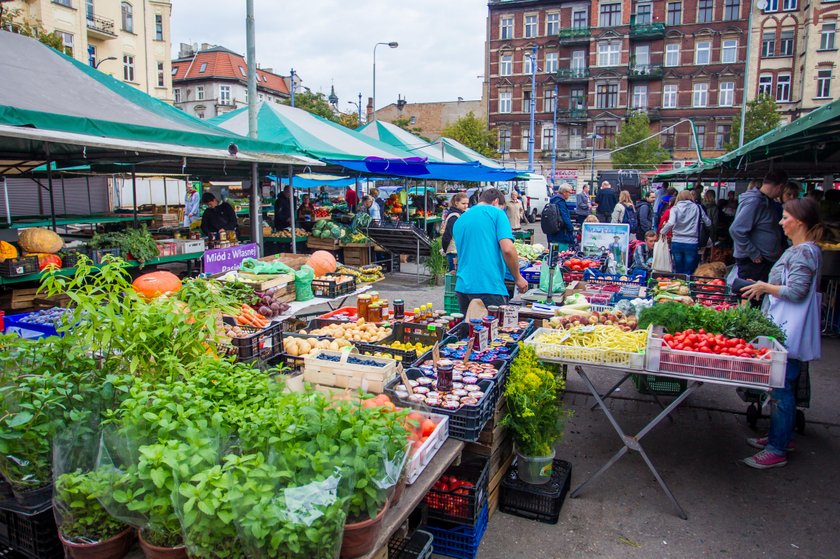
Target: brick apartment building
<point>429,118</point>
<point>674,59</point>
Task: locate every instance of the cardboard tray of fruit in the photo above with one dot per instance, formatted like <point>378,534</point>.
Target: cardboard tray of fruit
<point>348,370</point>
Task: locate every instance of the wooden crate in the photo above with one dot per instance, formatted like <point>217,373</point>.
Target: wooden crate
<point>316,243</point>
<point>356,255</point>
<point>293,261</point>
<point>61,300</point>
<point>286,294</point>
<point>340,374</point>
<point>18,299</point>
<point>494,484</point>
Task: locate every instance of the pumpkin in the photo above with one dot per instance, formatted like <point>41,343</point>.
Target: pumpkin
<point>154,284</point>
<point>40,240</point>
<point>45,259</point>
<point>7,251</point>
<point>322,262</point>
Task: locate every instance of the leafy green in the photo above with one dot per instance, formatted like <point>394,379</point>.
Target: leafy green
<point>740,322</point>
<point>137,241</point>
<point>83,519</point>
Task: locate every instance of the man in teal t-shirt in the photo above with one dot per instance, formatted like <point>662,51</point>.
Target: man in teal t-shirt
<point>485,247</point>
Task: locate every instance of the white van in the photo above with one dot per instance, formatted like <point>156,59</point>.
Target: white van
<point>535,194</point>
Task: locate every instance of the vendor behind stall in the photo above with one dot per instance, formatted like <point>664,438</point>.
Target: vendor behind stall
<point>306,213</point>
<point>218,216</point>
<point>283,209</point>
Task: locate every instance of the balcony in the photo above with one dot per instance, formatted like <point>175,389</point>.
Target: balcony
<point>574,36</point>
<point>653,113</point>
<point>640,72</point>
<point>572,115</point>
<point>646,30</point>
<point>570,75</point>
<point>101,27</point>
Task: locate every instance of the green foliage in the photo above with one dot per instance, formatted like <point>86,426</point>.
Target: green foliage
<point>645,155</point>
<point>762,117</point>
<point>137,241</point>
<point>315,103</point>
<point>83,519</point>
<point>405,124</point>
<point>436,262</point>
<point>741,322</point>
<point>349,120</point>
<point>473,133</point>
<point>13,21</point>
<point>534,414</point>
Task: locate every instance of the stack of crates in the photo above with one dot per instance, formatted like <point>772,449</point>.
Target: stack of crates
<point>450,300</point>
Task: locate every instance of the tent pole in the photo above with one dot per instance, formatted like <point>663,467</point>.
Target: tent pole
<point>50,183</point>
<point>6,198</point>
<point>165,198</point>
<point>134,191</point>
<point>63,195</point>
<point>256,209</point>
<point>90,204</point>
<point>292,202</point>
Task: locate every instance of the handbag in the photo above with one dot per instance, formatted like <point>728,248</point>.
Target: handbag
<point>703,234</point>
<point>661,256</point>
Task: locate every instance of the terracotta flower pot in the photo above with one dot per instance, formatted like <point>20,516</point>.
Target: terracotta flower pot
<point>155,552</point>
<point>360,537</point>
<point>113,548</point>
<point>398,491</point>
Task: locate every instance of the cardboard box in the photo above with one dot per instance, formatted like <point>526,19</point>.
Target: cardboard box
<point>186,246</point>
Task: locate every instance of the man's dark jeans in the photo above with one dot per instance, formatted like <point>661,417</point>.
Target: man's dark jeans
<point>488,299</point>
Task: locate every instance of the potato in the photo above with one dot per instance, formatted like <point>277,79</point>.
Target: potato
<point>304,347</point>
<point>334,346</point>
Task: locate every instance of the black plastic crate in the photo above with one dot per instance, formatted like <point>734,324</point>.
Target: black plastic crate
<point>294,361</point>
<point>98,254</point>
<point>14,267</point>
<point>462,330</point>
<point>487,356</point>
<point>465,423</point>
<point>461,505</point>
<point>418,546</point>
<point>409,331</point>
<point>70,258</point>
<point>498,381</point>
<point>536,502</point>
<point>261,345</point>
<point>403,332</point>
<point>317,323</point>
<point>34,537</point>
<point>330,289</point>
<point>661,386</point>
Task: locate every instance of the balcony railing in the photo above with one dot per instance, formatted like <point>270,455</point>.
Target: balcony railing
<point>645,71</point>
<point>566,115</point>
<point>101,25</point>
<point>652,113</point>
<point>646,29</point>
<point>574,35</point>
<point>572,74</point>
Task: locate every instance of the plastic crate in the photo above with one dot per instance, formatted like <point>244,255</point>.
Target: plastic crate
<point>569,277</point>
<point>350,314</point>
<point>465,423</point>
<point>461,542</point>
<point>531,274</point>
<point>403,332</point>
<point>536,502</point>
<point>98,254</point>
<point>450,304</point>
<point>329,289</point>
<point>592,355</point>
<point>16,321</point>
<point>14,267</point>
<point>418,546</point>
<point>70,258</point>
<point>592,275</point>
<point>449,281</point>
<point>34,537</point>
<point>420,457</point>
<point>261,345</point>
<point>464,505</point>
<point>661,386</point>
<point>295,361</point>
<point>462,331</point>
<point>498,381</point>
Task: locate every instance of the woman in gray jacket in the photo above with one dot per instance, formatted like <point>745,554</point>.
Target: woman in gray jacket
<point>684,221</point>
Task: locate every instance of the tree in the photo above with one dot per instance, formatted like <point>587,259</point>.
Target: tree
<point>762,117</point>
<point>349,120</point>
<point>11,20</point>
<point>405,124</point>
<point>473,133</point>
<point>315,103</point>
<point>642,154</point>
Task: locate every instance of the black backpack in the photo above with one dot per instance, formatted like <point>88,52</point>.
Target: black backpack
<point>631,219</point>
<point>703,232</point>
<point>550,221</point>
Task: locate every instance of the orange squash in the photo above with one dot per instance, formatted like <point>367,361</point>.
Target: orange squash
<point>158,283</point>
<point>322,262</point>
<point>7,250</point>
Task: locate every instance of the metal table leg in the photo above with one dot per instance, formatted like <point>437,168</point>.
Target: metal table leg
<point>632,443</point>
<point>612,389</point>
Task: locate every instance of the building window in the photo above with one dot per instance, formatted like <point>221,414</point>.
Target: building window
<point>177,92</point>
<point>786,43</point>
<point>128,68</point>
<point>505,102</point>
<point>732,10</point>
<point>548,136</point>
<point>701,137</point>
<point>772,6</point>
<point>224,95</point>
<point>551,64</point>
<point>127,17</point>
<point>668,137</point>
<point>161,76</point>
<point>580,18</point>
<point>640,94</point>
<point>700,95</point>
<point>577,98</point>
<point>768,44</point>
<point>66,42</point>
<point>705,11</point>
<point>158,27</point>
<point>722,134</point>
<point>607,136</point>
<point>674,13</point>
<point>575,137</point>
<point>726,94</point>
<point>199,93</point>
<point>606,96</point>
<point>672,54</point>
<point>530,27</point>
<point>644,13</point>
<point>92,55</point>
<point>783,88</point>
<point>526,101</point>
<point>552,24</point>
<point>789,5</point>
<point>505,65</point>
<point>669,96</point>
<point>729,51</point>
<point>525,136</point>
<point>829,29</point>
<point>506,28</point>
<point>504,140</point>
<point>549,100</point>
<point>578,61</point>
<point>202,68</point>
<point>609,53</point>
<point>824,84</point>
<point>527,63</point>
<point>703,52</point>
<point>242,72</point>
<point>610,15</point>
<point>199,114</point>
<point>765,84</point>
<point>174,70</point>
<point>68,3</point>
<point>641,55</point>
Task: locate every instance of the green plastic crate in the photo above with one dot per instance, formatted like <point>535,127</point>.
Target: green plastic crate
<point>661,386</point>
<point>450,304</point>
<point>449,284</point>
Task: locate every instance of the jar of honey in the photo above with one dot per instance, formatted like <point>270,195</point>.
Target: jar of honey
<point>362,304</point>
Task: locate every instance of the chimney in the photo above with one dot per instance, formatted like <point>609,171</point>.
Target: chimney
<point>185,51</point>
<point>269,70</point>
<point>369,109</point>
<point>206,46</point>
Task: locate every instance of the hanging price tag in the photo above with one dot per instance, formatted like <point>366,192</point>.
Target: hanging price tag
<point>404,377</point>
<point>468,353</point>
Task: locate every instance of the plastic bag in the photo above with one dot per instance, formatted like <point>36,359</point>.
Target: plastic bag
<point>254,266</point>
<point>303,283</point>
<point>557,286</point>
<point>661,256</point>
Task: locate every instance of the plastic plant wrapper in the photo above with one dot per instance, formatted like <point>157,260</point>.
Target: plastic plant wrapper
<point>303,283</point>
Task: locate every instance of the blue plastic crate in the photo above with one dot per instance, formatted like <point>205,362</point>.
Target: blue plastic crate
<point>457,541</point>
<point>15,321</point>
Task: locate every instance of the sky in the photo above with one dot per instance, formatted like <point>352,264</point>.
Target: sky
<point>440,55</point>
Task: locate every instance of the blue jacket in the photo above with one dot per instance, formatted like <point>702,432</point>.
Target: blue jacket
<point>567,233</point>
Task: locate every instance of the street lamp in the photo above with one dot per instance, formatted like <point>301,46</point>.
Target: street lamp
<point>358,107</point>
<point>594,137</point>
<point>96,66</point>
<point>393,45</point>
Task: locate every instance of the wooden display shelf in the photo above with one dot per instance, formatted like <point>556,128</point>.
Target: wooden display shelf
<point>23,223</point>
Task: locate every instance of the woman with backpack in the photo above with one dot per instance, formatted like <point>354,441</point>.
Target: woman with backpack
<point>686,219</point>
<point>556,222</point>
<point>457,206</point>
<point>625,212</point>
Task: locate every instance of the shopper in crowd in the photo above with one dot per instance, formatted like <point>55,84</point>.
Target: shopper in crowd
<point>218,217</point>
<point>711,207</point>
<point>323,196</point>
<point>644,213</point>
<point>643,254</point>
<point>792,301</point>
<point>370,207</point>
<point>515,211</point>
<point>306,211</point>
<point>667,203</point>
<point>283,209</point>
<point>191,205</point>
<point>625,212</point>
<point>377,199</point>
<point>473,200</point>
<point>566,235</point>
<point>791,191</point>
<point>605,200</point>
<point>755,230</point>
<point>457,207</point>
<point>816,195</point>
<point>664,204</point>
<point>485,248</point>
<point>351,197</point>
<point>583,206</point>
<point>684,219</point>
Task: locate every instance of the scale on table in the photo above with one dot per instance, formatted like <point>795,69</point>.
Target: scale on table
<point>541,299</point>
